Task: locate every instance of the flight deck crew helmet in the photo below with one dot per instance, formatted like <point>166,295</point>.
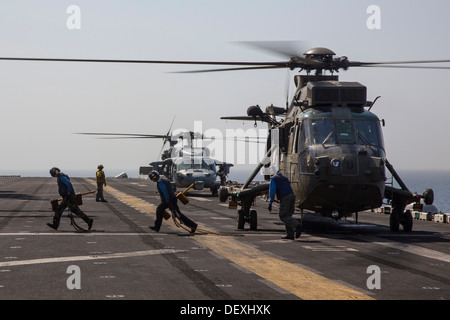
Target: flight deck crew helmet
<point>154,175</point>
<point>54,171</point>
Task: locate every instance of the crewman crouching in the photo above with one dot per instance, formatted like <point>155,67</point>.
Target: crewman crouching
<point>281,187</point>
<point>168,200</point>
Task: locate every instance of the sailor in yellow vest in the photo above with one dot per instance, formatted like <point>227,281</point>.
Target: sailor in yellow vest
<point>101,181</point>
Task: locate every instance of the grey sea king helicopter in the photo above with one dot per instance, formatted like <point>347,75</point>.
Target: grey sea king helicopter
<point>185,163</point>
<point>328,142</point>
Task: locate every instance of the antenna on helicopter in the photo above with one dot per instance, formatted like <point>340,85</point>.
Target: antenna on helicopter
<point>372,103</point>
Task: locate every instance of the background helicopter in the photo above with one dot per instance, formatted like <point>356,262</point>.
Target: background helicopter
<point>337,171</point>
<point>183,163</point>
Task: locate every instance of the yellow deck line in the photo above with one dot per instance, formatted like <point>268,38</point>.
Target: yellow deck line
<point>292,278</point>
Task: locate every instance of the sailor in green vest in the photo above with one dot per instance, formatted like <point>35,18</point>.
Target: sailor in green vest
<point>101,181</point>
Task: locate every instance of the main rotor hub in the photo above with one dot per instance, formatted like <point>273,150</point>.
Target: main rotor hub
<point>319,53</point>
<point>321,58</point>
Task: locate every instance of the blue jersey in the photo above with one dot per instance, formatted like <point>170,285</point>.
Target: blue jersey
<point>280,186</point>
<point>65,187</point>
<point>165,190</point>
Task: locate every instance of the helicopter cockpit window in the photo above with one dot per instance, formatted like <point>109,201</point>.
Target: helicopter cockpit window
<point>367,132</point>
<point>322,131</point>
<point>344,131</point>
<point>186,165</point>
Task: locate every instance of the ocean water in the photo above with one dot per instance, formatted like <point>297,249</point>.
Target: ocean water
<point>439,181</point>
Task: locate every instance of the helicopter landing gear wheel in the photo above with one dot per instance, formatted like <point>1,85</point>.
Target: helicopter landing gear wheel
<point>399,216</point>
<point>251,217</point>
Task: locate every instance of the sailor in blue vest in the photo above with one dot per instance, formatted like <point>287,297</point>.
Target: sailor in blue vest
<point>69,199</point>
<point>281,187</point>
<point>168,200</point>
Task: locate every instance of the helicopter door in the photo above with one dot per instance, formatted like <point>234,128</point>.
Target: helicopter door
<point>274,164</point>
<point>304,156</point>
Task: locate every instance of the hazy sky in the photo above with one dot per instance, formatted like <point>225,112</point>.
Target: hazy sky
<point>44,103</point>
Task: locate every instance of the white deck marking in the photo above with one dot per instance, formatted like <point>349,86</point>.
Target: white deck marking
<point>420,251</point>
<point>90,257</point>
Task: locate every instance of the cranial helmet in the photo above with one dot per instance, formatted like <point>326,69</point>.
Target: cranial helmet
<point>54,171</point>
<point>154,175</point>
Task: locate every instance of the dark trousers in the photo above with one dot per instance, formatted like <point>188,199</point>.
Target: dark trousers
<point>287,207</point>
<point>71,203</point>
<point>176,211</point>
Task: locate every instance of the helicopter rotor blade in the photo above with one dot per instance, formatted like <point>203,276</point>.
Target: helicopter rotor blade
<point>311,62</point>
<point>287,87</point>
<point>171,124</point>
<point>168,134</point>
<point>286,49</point>
<point>279,66</point>
<point>364,64</point>
<point>404,67</point>
<point>126,135</point>
<point>137,137</point>
<point>234,138</point>
<point>230,63</point>
<point>110,135</point>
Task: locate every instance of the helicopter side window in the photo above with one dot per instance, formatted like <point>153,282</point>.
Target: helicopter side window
<point>344,131</point>
<point>306,162</point>
<point>322,131</point>
<point>302,138</point>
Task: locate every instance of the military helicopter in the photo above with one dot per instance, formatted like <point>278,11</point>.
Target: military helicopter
<point>184,163</point>
<point>330,147</point>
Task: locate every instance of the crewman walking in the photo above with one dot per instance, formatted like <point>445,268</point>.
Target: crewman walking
<point>101,181</point>
<point>168,200</point>
<point>281,186</point>
<point>67,192</point>
<point>222,175</point>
